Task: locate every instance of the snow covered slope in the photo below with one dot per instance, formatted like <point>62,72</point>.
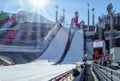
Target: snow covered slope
<point>36,71</point>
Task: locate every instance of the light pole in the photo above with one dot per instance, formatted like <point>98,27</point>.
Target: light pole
<point>56,6</point>
<point>93,17</point>
<point>88,16</point>
<point>84,31</point>
<point>110,12</point>
<point>100,28</point>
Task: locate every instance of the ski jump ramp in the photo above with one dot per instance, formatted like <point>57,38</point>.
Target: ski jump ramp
<point>57,46</point>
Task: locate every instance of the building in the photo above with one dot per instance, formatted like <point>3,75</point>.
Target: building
<point>115,31</point>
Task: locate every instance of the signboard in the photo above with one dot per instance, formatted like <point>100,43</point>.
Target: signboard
<point>101,24</point>
<point>97,44</point>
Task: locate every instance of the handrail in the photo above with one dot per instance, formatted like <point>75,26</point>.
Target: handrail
<point>6,59</point>
<point>105,73</point>
<point>63,76</point>
<point>5,48</point>
<point>69,75</point>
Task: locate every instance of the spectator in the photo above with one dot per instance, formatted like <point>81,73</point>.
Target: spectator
<point>75,72</point>
<point>104,63</point>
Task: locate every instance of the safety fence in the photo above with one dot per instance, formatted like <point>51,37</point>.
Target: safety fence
<point>105,73</point>
<point>7,64</point>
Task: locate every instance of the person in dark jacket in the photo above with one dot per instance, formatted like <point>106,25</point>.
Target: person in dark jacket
<point>75,72</point>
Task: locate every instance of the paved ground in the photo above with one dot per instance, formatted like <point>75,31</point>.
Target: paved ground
<point>88,74</point>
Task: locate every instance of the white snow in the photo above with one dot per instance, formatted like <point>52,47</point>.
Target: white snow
<point>36,71</point>
<point>42,69</point>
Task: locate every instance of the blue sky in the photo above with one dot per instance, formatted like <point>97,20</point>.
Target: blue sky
<point>70,7</point>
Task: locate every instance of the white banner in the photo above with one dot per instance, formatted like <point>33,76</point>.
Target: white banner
<point>97,44</point>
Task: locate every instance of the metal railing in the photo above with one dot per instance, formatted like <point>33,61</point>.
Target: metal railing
<point>106,74</point>
<point>7,48</point>
<point>6,59</point>
<point>68,76</point>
